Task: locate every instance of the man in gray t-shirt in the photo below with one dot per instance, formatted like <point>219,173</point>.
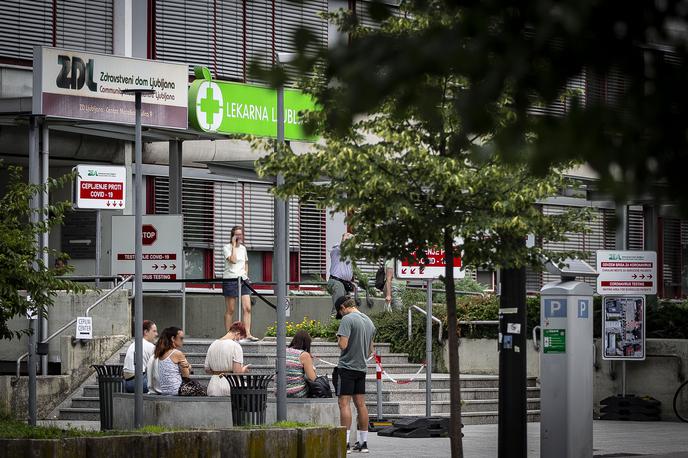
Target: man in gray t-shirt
<point>355,339</point>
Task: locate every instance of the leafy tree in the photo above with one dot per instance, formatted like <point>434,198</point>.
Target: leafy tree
<point>26,283</point>
<point>408,180</point>
<point>630,127</point>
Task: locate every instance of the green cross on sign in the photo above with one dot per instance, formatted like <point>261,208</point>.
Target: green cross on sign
<point>209,106</point>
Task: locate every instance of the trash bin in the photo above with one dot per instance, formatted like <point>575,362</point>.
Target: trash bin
<point>249,397</point>
<point>110,380</point>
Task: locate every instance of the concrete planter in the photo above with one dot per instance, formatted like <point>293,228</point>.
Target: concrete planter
<point>288,443</point>
<point>480,356</point>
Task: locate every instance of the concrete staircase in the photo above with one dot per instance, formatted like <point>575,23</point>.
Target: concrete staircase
<point>479,393</point>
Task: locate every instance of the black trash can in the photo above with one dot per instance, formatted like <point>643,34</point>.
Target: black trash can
<point>110,380</point>
<point>249,397</point>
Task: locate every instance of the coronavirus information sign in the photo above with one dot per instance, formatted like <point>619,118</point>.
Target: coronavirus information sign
<point>100,187</point>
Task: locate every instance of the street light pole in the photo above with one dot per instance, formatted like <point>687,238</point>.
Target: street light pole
<point>138,261</point>
<point>281,232</point>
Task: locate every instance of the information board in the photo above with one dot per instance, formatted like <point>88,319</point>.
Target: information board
<point>162,250</point>
<point>623,327</point>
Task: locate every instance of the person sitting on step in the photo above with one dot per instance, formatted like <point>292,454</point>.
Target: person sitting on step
<point>225,356</point>
<point>299,365</point>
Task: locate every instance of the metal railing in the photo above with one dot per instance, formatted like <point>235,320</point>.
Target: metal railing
<point>410,321</point>
<point>124,281</point>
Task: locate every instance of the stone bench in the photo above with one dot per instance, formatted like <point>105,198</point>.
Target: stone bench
<point>207,412</point>
<point>320,411</point>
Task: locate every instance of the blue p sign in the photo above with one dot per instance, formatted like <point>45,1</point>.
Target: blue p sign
<point>583,307</point>
<point>555,308</point>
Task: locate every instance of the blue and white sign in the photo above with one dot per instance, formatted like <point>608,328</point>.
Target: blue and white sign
<point>583,308</point>
<point>556,308</point>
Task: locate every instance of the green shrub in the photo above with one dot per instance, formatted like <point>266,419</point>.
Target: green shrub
<point>315,328</point>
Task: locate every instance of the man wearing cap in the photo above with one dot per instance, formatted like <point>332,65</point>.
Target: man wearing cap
<point>355,340</point>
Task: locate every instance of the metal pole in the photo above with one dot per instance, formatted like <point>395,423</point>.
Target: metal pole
<point>34,179</point>
<point>32,373</point>
<point>99,221</point>
<point>138,270</point>
<point>620,242</point>
<point>428,352</point>
<point>287,263</point>
<point>238,301</point>
<point>378,379</point>
<point>513,397</point>
<point>183,294</point>
<point>45,239</point>
<point>280,275</point>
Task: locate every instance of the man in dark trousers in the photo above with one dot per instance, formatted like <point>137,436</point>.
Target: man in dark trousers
<point>355,340</point>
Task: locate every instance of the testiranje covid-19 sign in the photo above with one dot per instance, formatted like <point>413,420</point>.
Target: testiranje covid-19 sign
<point>82,85</point>
<point>236,108</point>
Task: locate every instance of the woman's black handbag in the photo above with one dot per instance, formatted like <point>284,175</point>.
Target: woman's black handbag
<point>319,388</point>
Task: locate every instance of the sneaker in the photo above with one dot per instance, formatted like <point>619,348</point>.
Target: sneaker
<point>348,448</point>
<point>361,448</point>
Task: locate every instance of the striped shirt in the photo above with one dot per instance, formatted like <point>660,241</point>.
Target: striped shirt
<point>296,376</point>
<point>338,267</point>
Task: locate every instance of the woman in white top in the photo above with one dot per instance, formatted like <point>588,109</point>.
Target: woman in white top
<point>236,266</point>
<point>225,356</point>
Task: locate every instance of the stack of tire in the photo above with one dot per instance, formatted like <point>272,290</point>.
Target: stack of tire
<point>630,408</point>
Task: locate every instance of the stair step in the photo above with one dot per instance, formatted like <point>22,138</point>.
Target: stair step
<point>470,418</point>
<point>269,346</point>
<point>440,394</point>
<point>439,407</point>
<point>265,359</point>
<point>79,414</point>
<point>88,402</point>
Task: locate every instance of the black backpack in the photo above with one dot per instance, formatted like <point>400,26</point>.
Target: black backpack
<point>380,278</point>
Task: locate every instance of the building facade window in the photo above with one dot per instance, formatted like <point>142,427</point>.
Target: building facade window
<point>74,24</point>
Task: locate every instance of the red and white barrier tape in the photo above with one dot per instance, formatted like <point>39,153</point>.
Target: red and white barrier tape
<point>380,370</point>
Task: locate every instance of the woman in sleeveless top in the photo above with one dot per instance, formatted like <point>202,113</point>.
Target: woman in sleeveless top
<point>173,370</point>
<point>299,365</point>
<point>225,356</point>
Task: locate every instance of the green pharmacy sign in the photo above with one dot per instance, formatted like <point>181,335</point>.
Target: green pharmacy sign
<point>236,108</point>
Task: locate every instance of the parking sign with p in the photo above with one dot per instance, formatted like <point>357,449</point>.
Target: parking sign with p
<point>556,307</point>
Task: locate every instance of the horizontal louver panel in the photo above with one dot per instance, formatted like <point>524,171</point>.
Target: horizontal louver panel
<point>600,237</point>
<point>85,25</point>
<point>23,25</point>
<point>227,36</point>
<point>636,230</point>
<point>197,208</point>
<point>227,214</point>
<point>313,240</point>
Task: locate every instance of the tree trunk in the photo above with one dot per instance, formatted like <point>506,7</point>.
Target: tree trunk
<point>454,373</point>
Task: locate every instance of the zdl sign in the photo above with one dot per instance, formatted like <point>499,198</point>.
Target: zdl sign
<point>558,308</point>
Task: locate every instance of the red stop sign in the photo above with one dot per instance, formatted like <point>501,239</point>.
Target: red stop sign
<point>150,234</point>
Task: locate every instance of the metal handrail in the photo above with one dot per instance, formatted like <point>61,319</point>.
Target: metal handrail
<point>124,281</point>
<point>536,345</point>
<point>434,318</point>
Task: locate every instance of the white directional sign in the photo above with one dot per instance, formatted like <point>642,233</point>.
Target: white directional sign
<point>100,187</point>
<point>626,272</point>
<point>418,269</point>
<point>84,327</point>
<point>162,250</point>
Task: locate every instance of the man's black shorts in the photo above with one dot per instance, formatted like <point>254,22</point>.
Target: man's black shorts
<point>350,382</point>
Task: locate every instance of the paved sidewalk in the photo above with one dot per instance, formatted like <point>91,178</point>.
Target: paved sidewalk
<point>611,439</point>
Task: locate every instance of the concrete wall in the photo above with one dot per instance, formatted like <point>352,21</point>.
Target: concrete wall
<point>205,312</point>
<point>656,376</point>
<point>287,443</point>
<point>480,356</point>
<point>53,389</point>
<point>113,317</point>
<point>203,412</point>
<point>319,411</point>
